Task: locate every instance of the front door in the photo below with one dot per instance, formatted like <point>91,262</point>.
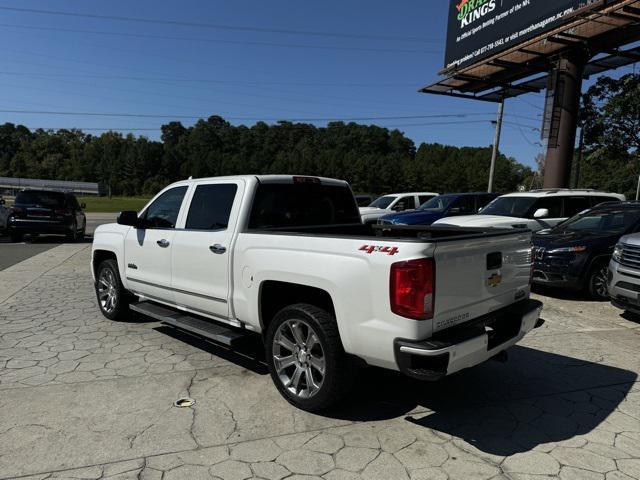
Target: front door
<point>147,249</point>
<point>201,255</point>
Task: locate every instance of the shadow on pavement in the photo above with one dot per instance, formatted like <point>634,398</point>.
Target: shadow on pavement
<point>535,398</point>
<point>564,294</point>
<point>631,317</point>
<point>501,409</point>
<point>248,355</point>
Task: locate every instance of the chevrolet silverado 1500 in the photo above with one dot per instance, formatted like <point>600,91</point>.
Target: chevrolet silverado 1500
<point>288,258</point>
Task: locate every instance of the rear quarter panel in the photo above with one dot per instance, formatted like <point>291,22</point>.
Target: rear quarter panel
<point>357,281</point>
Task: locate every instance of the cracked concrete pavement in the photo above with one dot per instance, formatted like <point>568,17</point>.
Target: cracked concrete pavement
<point>85,398</point>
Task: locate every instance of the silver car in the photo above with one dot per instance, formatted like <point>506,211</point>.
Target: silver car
<point>624,274</point>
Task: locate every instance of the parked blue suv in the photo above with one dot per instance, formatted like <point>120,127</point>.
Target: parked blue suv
<point>442,206</point>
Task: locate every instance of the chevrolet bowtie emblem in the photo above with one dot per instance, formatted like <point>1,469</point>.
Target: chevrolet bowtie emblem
<point>494,280</point>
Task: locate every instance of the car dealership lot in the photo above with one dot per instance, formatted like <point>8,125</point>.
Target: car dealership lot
<point>83,397</point>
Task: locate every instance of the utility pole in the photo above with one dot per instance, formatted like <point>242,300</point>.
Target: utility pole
<point>566,91</point>
<point>580,157</point>
<point>496,145</point>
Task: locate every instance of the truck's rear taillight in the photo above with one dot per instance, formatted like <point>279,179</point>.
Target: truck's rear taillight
<point>412,288</point>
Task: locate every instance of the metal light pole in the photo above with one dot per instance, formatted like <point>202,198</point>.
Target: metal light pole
<point>496,146</point>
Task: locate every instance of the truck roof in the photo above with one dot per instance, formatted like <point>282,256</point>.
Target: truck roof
<point>410,193</point>
<point>283,179</point>
<point>561,192</point>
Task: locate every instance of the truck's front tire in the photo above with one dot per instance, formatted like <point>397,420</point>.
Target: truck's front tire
<point>306,359</point>
<point>113,298</point>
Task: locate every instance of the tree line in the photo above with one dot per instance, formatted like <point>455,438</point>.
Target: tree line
<point>372,158</point>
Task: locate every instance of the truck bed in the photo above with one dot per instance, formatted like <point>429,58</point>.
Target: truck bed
<point>392,232</point>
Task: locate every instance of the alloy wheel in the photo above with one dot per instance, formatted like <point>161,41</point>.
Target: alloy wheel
<point>600,282</point>
<point>107,290</point>
<point>298,358</point>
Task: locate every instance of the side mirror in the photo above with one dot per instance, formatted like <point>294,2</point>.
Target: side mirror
<point>128,218</point>
<point>83,206</point>
<point>399,207</point>
<point>455,211</point>
<point>541,213</point>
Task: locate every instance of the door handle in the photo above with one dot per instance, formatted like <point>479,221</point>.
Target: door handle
<point>163,243</point>
<point>217,248</point>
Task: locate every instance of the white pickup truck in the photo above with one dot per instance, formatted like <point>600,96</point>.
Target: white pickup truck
<point>288,258</point>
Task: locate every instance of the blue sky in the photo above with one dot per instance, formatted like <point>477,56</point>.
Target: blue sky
<point>349,59</point>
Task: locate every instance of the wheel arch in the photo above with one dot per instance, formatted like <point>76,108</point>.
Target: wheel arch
<point>274,295</point>
<point>100,256</point>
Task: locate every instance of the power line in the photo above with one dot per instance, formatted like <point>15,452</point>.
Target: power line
<point>530,104</point>
<point>198,117</point>
<point>219,26</point>
<point>150,129</point>
<point>232,42</point>
<point>207,80</point>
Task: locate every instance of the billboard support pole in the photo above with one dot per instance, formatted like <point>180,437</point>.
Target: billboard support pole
<point>564,119</point>
<point>496,145</point>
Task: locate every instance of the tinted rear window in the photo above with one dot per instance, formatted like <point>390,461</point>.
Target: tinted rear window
<point>211,207</point>
<point>302,205</point>
<point>43,199</point>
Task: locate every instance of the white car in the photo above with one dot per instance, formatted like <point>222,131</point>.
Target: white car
<point>395,202</point>
<point>286,259</point>
<point>535,210</point>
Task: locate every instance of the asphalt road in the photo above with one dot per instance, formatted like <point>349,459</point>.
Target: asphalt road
<point>12,253</point>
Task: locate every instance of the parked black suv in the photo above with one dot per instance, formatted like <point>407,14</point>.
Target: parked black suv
<point>576,253</point>
<point>46,212</point>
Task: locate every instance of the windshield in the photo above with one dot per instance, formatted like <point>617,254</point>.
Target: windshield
<point>618,221</point>
<point>510,206</point>
<point>43,199</point>
<point>439,203</point>
<point>383,202</point>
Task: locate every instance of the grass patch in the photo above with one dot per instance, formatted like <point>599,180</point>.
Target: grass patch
<point>113,204</point>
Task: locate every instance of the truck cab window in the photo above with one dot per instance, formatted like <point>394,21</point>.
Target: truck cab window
<point>163,212</point>
<point>211,207</point>
<point>283,205</point>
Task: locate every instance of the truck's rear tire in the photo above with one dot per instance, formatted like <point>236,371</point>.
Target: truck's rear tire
<point>113,298</point>
<point>305,357</point>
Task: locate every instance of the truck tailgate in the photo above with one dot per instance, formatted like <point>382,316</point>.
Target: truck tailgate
<point>477,277</point>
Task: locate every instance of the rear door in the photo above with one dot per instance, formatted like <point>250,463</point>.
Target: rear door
<point>147,250</point>
<point>477,276</point>
<point>201,254</point>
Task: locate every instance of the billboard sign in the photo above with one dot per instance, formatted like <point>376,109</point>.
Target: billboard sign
<point>481,28</point>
